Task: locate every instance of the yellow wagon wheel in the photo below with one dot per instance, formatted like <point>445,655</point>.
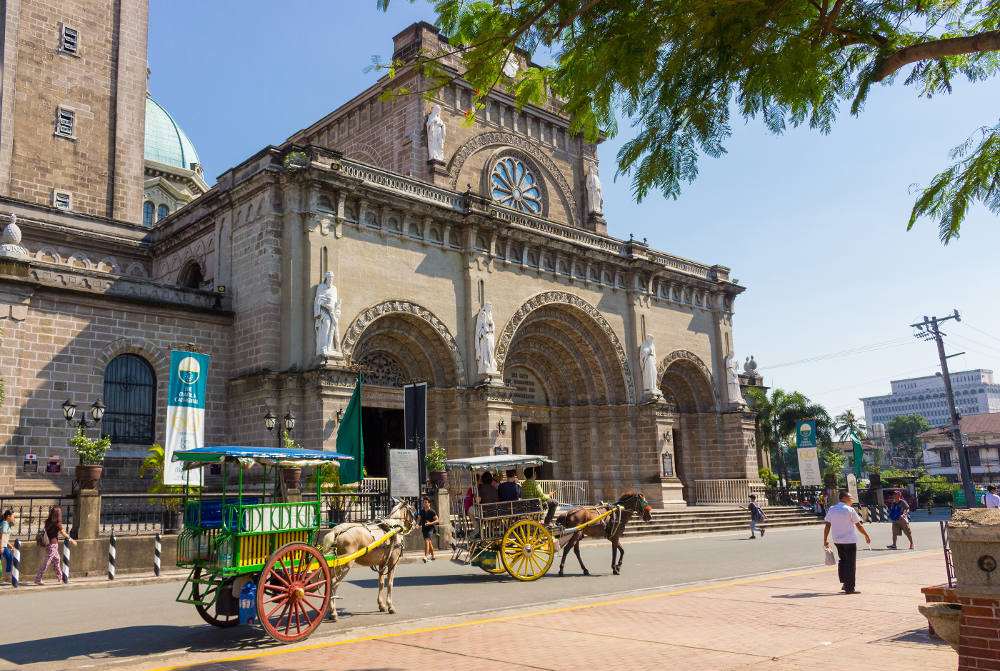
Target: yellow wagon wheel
<point>527,550</point>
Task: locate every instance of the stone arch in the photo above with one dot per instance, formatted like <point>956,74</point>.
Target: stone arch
<point>564,333</point>
<point>412,335</point>
<point>686,378</point>
<point>48,255</point>
<point>192,273</point>
<point>365,153</point>
<point>509,140</point>
<point>139,346</point>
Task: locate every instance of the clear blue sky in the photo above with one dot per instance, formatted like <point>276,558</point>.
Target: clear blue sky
<point>812,225</point>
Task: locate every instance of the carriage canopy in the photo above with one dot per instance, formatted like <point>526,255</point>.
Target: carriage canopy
<point>497,462</point>
<point>267,456</point>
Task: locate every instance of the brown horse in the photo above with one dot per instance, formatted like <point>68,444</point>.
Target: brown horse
<point>611,527</point>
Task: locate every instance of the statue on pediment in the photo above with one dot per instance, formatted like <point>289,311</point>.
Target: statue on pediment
<point>326,318</point>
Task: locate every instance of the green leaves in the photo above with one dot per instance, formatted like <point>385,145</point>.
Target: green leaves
<point>90,452</point>
<point>677,69</point>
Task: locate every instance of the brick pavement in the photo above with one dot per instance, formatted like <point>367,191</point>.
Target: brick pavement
<point>784,622</point>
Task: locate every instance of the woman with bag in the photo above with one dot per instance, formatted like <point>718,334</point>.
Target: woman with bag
<point>52,531</point>
<point>6,545</point>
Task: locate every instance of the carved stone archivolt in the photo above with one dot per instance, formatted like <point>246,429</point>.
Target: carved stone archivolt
<point>695,361</point>
<point>564,298</point>
<point>387,308</point>
<point>502,138</point>
<point>147,349</point>
<point>384,370</point>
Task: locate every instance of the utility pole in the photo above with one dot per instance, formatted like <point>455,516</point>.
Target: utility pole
<point>927,330</point>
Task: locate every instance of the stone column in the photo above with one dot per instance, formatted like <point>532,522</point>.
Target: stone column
<point>974,536</point>
<point>87,514</point>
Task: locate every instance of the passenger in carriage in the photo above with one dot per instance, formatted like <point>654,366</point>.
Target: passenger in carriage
<point>530,489</point>
<point>510,490</point>
<point>487,492</point>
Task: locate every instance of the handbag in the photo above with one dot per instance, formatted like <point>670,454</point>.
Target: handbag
<point>42,538</point>
<point>830,559</point>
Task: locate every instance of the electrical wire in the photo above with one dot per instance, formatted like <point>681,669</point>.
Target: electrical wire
<point>854,351</point>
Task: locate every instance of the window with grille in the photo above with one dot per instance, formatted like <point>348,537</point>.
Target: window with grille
<point>945,457</point>
<point>161,212</point>
<point>62,200</point>
<point>147,213</point>
<point>69,40</point>
<point>130,397</point>
<point>64,122</point>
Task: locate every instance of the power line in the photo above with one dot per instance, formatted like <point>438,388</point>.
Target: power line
<point>985,333</point>
<point>861,349</point>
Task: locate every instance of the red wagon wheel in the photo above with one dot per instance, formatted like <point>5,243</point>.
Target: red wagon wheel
<point>293,594</point>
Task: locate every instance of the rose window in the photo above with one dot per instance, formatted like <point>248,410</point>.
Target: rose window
<point>513,185</point>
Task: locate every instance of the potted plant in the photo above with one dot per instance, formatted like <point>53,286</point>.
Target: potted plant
<point>434,461</point>
<point>292,477</point>
<point>91,454</point>
<point>329,476</point>
<point>173,516</point>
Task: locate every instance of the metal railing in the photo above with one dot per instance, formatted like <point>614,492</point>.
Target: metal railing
<point>30,513</point>
<point>137,514</point>
<point>355,506</point>
<point>573,492</point>
<point>949,563</point>
<point>733,490</point>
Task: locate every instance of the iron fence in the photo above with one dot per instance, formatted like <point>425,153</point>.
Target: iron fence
<point>949,563</point>
<point>30,512</point>
<point>355,506</point>
<point>572,492</point>
<point>138,514</point>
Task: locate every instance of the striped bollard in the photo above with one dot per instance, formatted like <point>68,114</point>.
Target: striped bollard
<point>112,551</point>
<point>156,555</point>
<point>15,568</point>
<point>65,563</point>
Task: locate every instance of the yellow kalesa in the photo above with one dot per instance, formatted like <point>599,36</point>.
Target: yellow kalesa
<point>527,550</point>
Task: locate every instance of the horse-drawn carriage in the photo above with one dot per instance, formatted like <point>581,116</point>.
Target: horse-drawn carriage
<point>241,546</point>
<point>510,536</point>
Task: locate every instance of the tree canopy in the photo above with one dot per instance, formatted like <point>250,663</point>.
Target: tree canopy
<point>904,429</point>
<point>679,70</point>
<point>775,420</point>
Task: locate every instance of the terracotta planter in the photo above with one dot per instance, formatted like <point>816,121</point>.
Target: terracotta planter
<point>88,476</point>
<point>438,479</point>
<point>292,477</point>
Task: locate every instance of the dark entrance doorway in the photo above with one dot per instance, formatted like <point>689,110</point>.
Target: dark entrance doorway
<point>679,461</point>
<point>378,427</point>
<point>534,443</point>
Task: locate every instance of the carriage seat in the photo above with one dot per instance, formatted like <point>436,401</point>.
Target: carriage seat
<point>511,508</point>
<point>207,513</point>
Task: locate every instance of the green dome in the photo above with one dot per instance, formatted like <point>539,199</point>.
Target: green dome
<point>165,141</point>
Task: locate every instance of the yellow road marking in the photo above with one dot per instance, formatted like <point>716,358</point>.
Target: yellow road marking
<point>504,618</point>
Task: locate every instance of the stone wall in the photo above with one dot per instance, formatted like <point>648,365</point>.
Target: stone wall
<point>133,555</point>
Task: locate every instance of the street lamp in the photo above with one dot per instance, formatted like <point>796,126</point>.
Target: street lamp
<point>96,413</point>
<point>271,420</point>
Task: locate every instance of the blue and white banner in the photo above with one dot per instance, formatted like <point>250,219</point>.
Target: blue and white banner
<point>185,414</point>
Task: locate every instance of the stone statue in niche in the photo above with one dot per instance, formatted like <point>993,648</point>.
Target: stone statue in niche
<point>435,135</point>
<point>594,201</point>
<point>733,381</point>
<point>486,363</point>
<point>326,315</point>
<point>647,365</point>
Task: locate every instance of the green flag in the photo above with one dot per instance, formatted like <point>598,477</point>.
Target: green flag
<point>350,441</point>
<point>859,454</point>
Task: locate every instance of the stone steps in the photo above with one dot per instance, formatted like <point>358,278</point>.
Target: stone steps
<point>704,520</point>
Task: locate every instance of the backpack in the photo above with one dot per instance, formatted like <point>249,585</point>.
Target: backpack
<point>42,538</point>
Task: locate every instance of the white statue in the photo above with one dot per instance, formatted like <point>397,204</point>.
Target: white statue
<point>594,202</point>
<point>733,381</point>
<point>435,135</point>
<point>486,363</point>
<point>326,313</point>
<point>647,365</point>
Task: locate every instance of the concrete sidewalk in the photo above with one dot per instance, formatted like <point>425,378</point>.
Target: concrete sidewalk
<point>782,622</point>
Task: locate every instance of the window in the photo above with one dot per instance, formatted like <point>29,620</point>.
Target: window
<point>191,276</point>
<point>62,200</point>
<point>512,184</point>
<point>130,395</point>
<point>161,212</point>
<point>69,40</point>
<point>64,122</point>
<point>974,456</point>
<point>147,213</point>
<point>945,456</point>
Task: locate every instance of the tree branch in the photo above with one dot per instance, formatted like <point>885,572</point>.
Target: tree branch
<point>954,46</point>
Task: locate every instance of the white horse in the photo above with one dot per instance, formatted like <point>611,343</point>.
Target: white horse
<point>351,537</point>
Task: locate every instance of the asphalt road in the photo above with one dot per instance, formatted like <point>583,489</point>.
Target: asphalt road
<point>100,628</point>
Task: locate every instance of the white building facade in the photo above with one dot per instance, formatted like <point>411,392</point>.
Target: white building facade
<point>975,393</point>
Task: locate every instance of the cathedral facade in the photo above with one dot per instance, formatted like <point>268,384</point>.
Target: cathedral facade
<point>388,237</point>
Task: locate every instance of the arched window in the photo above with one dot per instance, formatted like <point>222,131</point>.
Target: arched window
<point>161,212</point>
<point>147,213</point>
<point>191,276</point>
<point>130,396</point>
<point>513,184</point>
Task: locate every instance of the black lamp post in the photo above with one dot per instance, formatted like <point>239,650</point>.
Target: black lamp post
<point>271,420</point>
<point>96,413</point>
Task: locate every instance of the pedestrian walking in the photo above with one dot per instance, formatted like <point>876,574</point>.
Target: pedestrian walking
<point>428,527</point>
<point>6,522</point>
<point>53,531</point>
<point>899,515</point>
<point>757,516</point>
<point>842,520</point>
<point>990,498</point>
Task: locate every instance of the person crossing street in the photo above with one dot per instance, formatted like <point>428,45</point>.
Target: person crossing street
<point>899,515</point>
<point>757,516</point>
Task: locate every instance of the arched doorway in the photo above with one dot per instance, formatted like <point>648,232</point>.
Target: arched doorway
<point>686,384</point>
<point>399,342</point>
<point>572,394</point>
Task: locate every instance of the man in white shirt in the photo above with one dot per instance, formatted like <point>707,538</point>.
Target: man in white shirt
<point>991,499</point>
<point>842,519</point>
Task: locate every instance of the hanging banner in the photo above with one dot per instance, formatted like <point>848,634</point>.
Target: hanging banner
<point>185,414</point>
<point>805,433</point>
<point>809,466</point>
<point>859,453</point>
<point>415,422</point>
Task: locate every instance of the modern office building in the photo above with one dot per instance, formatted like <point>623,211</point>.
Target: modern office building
<point>975,393</point>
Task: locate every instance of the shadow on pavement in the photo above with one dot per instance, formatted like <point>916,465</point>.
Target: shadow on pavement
<point>134,641</point>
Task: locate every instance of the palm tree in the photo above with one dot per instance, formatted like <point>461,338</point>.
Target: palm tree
<point>776,418</point>
<point>844,422</point>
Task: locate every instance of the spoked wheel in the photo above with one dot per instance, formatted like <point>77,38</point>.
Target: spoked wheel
<point>527,550</point>
<point>209,613</point>
<point>293,594</point>
<point>497,568</point>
